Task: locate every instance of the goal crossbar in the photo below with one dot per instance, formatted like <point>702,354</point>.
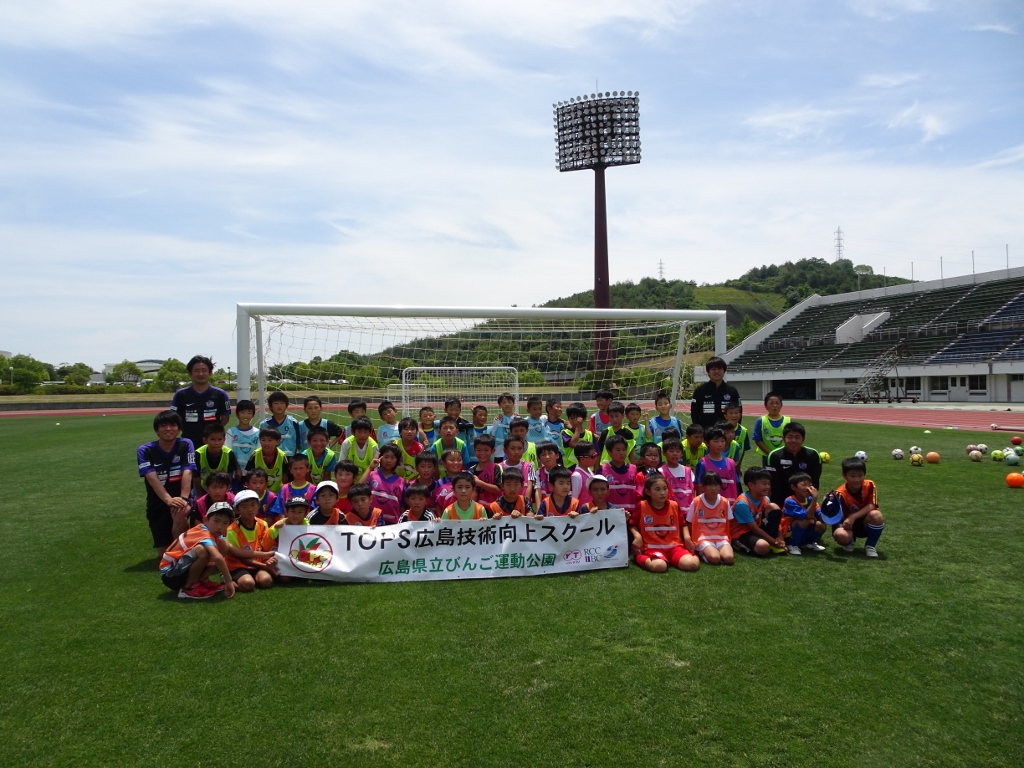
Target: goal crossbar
<point>252,313</point>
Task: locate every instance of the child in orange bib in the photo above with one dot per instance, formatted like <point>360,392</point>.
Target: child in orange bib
<point>707,523</point>
<point>655,529</point>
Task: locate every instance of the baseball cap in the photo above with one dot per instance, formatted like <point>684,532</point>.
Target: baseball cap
<point>592,478</point>
<point>220,506</point>
<point>297,501</point>
<point>245,496</point>
<point>326,484</point>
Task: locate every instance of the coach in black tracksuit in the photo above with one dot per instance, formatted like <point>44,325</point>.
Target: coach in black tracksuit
<point>710,399</point>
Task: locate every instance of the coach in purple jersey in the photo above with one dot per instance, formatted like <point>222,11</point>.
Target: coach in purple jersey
<point>200,404</point>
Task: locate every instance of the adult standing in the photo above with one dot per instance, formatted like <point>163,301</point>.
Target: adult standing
<point>200,404</point>
<point>710,398</point>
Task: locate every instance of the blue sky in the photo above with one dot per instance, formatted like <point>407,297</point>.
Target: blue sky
<point>162,161</point>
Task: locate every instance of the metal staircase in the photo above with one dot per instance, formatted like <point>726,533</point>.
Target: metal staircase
<point>875,372</point>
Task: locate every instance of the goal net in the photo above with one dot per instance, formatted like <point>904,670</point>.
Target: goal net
<point>417,356</point>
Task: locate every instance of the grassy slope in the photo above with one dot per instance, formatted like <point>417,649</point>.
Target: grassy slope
<point>913,659</point>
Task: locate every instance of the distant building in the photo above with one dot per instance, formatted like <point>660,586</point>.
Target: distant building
<point>6,354</point>
<point>148,367</point>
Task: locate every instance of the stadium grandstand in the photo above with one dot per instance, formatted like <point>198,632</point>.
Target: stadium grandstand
<point>959,339</point>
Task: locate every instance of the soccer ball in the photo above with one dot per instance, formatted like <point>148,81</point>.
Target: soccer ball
<point>916,449</point>
<point>1015,480</point>
<point>933,457</point>
<point>917,460</point>
<point>825,457</point>
<point>1019,450</point>
<point>971,448</point>
<point>1008,451</point>
<point>1016,440</point>
<point>862,455</point>
<point>997,455</point>
<point>983,448</point>
<point>975,455</point>
<point>897,454</point>
<point>1011,458</point>
<point>994,426</point>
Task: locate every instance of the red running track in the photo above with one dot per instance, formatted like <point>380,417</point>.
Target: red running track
<point>908,415</point>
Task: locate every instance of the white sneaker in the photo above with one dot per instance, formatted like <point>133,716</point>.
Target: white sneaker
<point>814,547</point>
<point>870,552</point>
<point>847,547</point>
<point>793,549</point>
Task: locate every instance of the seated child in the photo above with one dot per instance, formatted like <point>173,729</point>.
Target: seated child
<point>750,512</point>
<point>416,497</point>
<point>597,489</point>
<point>621,475</point>
<point>322,460</point>
<point>650,464</point>
<point>716,461</point>
<point>444,492</point>
<point>550,458</point>
<point>514,446</point>
<point>313,406</point>
<point>167,465</point>
<point>287,426</point>
<point>256,481</point>
<point>560,502</point>
<point>386,485</point>
<point>706,531</point>
<point>246,533</point>
<point>389,431</point>
<point>464,508</point>
<point>295,513</point>
<point>693,446</point>
<point>190,559</point>
<point>661,418</point>
<point>243,439</point>
<point>345,476</point>
<point>678,475</point>
<point>426,475</point>
<point>654,526</point>
<point>861,516</point>
<point>500,428</point>
<point>269,458</point>
<point>512,501</point>
<point>363,512</point>
<point>486,472</point>
<point>217,485</point>
<point>410,447</point>
<point>325,500</point>
<point>214,457</point>
<point>586,457</point>
<point>298,468</point>
<point>359,447</point>
<point>800,526</point>
<point>575,433</point>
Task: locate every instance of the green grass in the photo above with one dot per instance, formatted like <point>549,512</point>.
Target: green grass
<point>912,659</point>
<point>721,294</point>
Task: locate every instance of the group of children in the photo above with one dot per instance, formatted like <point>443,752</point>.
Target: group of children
<point>681,489</point>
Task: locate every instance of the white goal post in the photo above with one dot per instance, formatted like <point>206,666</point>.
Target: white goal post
<point>340,352</point>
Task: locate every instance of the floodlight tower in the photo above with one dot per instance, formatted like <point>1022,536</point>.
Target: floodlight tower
<point>596,132</point>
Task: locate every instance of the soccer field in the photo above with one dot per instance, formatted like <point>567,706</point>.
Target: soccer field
<point>916,658</point>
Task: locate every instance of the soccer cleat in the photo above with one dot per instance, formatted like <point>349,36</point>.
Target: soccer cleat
<point>870,552</point>
<point>777,550</point>
<point>814,547</point>
<point>196,592</point>
<point>847,547</point>
<point>212,586</point>
<point>793,549</point>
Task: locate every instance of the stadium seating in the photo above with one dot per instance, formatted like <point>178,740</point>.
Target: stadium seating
<point>976,347</point>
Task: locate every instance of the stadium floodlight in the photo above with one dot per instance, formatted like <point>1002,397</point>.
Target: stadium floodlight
<point>594,133</point>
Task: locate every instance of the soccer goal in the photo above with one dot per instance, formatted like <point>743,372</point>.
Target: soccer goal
<point>422,355</point>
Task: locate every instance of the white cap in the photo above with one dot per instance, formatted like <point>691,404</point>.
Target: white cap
<point>326,484</point>
<point>592,478</point>
<point>245,496</point>
<point>220,506</point>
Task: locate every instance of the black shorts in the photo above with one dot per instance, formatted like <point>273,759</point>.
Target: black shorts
<point>160,523</point>
<point>240,572</point>
<point>746,541</point>
<point>860,527</point>
<point>175,577</point>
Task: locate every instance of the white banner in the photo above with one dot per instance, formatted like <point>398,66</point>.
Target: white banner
<point>456,549</point>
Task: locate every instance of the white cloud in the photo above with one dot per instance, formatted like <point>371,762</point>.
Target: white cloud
<point>887,10</point>
<point>890,80</point>
<point>1005,29</point>
<point>931,125</point>
<point>1006,157</point>
<point>794,123</point>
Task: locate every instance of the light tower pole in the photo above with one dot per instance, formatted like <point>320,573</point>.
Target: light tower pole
<point>596,132</point>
